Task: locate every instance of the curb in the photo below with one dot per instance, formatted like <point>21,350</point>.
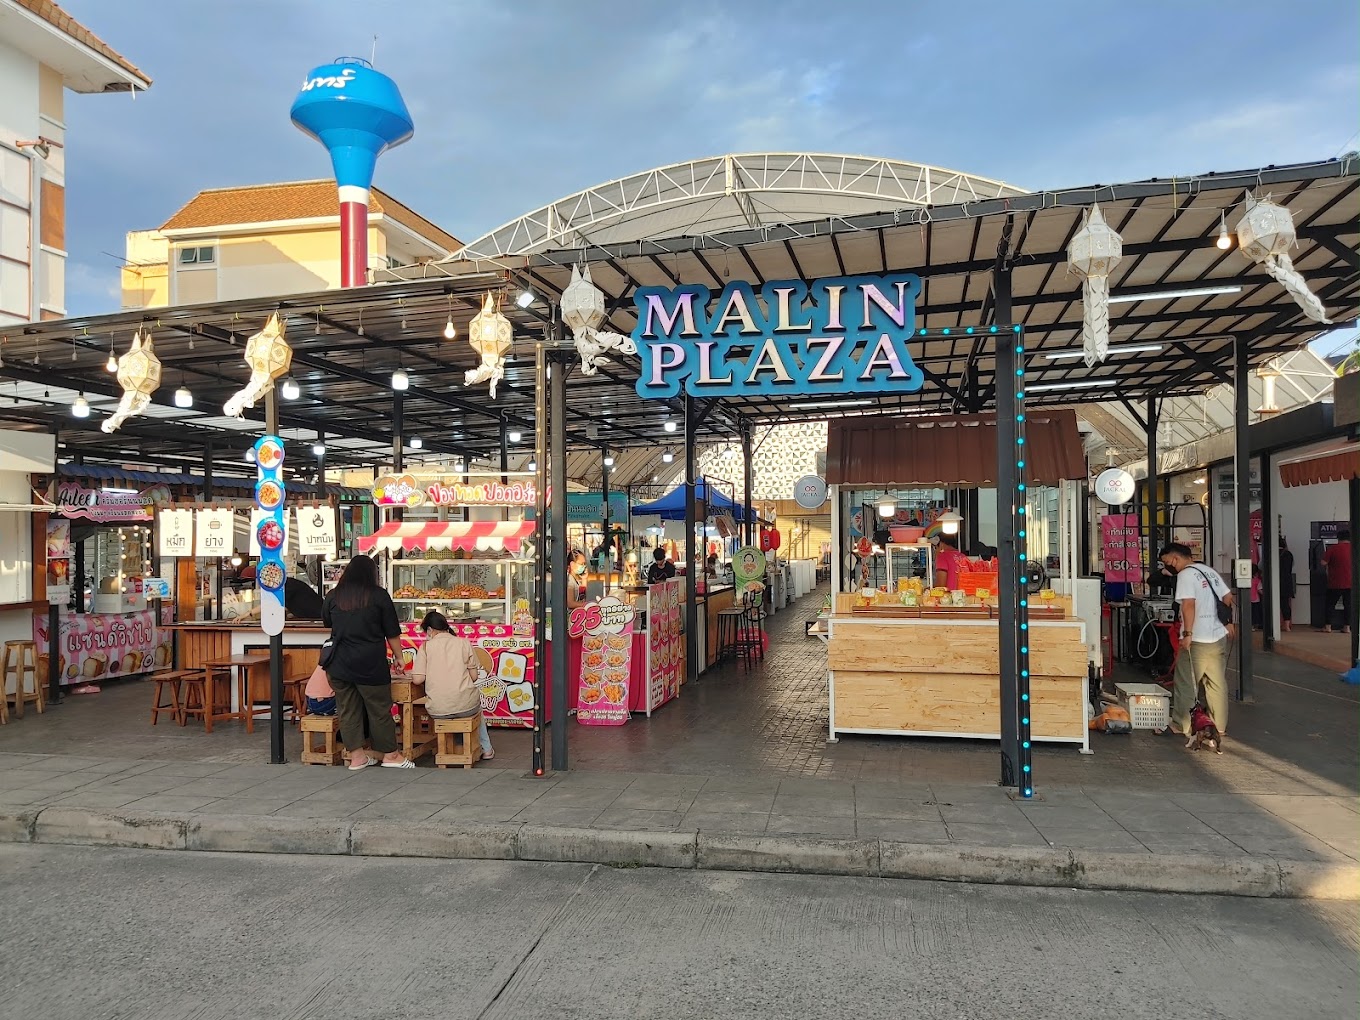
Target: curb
<point>692,850</point>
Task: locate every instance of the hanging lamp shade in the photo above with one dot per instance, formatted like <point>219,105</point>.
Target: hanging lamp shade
<point>1265,233</point>
<point>269,357</point>
<point>1093,253</point>
<point>491,336</point>
<point>139,373</point>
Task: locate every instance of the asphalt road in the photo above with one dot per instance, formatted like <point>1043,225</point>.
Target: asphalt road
<point>100,934</point>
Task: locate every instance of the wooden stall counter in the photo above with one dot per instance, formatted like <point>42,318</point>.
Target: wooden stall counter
<point>197,644</point>
<point>936,674</point>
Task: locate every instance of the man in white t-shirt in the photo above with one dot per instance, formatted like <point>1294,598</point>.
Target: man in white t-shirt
<point>1203,656</point>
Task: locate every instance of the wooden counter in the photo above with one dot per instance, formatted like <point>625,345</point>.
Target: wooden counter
<point>939,677</point>
<point>197,644</point>
<point>714,601</point>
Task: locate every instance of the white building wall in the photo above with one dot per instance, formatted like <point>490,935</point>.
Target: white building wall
<point>18,186</point>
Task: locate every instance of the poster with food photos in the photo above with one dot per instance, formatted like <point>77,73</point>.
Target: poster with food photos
<point>605,629</point>
<point>91,647</point>
<point>505,668</point>
<point>665,644</point>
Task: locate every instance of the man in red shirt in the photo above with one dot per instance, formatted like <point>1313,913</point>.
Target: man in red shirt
<point>1337,562</point>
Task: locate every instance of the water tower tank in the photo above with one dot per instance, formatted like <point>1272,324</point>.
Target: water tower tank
<point>357,113</point>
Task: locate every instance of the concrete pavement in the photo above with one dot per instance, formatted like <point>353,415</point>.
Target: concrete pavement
<point>1252,845</point>
<point>160,936</point>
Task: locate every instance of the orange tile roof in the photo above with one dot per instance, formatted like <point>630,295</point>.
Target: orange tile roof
<point>294,200</point>
<point>59,19</point>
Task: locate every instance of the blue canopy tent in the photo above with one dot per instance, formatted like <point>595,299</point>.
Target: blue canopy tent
<point>671,507</point>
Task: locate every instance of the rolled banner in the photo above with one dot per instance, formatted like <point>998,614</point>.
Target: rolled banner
<point>271,532</point>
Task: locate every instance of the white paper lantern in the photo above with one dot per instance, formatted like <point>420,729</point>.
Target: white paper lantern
<point>269,357</point>
<point>1094,252</point>
<point>139,373</point>
<point>1265,233</point>
<point>582,309</point>
<point>491,336</point>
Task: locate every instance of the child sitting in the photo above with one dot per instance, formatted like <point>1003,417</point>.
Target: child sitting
<point>449,666</point>
<point>320,697</point>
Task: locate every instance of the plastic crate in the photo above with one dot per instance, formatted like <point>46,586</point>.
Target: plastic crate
<point>1149,705</point>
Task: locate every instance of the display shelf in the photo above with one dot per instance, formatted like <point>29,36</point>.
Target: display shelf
<point>492,599</point>
<point>458,563</point>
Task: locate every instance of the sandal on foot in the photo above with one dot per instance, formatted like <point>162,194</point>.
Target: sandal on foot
<point>405,763</point>
<point>361,765</point>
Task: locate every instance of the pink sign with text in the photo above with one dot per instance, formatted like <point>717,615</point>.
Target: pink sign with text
<point>606,631</point>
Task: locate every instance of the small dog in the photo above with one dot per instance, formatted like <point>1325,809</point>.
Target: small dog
<point>1203,732</point>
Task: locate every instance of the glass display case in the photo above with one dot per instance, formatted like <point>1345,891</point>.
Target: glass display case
<point>906,560</point>
<point>464,587</point>
<point>116,560</point>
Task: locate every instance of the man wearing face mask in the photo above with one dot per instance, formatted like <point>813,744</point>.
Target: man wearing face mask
<point>576,579</point>
<point>1203,656</point>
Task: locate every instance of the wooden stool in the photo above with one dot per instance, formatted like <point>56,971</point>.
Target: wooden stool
<point>23,665</point>
<point>456,741</point>
<point>329,751</point>
<point>172,680</point>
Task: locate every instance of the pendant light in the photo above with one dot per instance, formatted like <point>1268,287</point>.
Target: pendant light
<point>183,398</point>
<point>80,408</point>
<point>290,389</point>
<point>400,380</point>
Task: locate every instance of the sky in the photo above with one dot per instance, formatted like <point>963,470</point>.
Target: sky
<point>519,103</point>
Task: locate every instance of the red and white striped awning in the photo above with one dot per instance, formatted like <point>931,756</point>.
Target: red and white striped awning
<point>479,536</point>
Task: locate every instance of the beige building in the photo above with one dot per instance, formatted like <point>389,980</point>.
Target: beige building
<point>44,53</point>
<point>266,239</point>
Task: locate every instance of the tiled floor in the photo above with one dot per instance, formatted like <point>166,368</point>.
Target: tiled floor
<point>761,725</point>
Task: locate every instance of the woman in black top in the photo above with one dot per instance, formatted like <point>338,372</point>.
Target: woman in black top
<point>576,579</point>
<point>661,569</point>
<point>363,623</point>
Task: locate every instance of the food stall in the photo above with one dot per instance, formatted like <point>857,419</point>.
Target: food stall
<point>908,658</point>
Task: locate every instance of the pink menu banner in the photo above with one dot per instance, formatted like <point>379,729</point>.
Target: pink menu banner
<point>1121,539</point>
<point>101,646</point>
<point>606,629</point>
<point>665,648</point>
<point>505,668</point>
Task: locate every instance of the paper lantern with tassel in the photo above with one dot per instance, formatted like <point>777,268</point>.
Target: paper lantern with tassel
<point>1094,252</point>
<point>1265,233</point>
<point>491,336</point>
<point>582,308</point>
<point>269,358</point>
<point>139,373</point>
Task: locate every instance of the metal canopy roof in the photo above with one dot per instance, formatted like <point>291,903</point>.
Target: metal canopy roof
<point>347,343</point>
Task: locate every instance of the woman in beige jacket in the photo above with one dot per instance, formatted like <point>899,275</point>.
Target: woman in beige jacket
<point>450,669</point>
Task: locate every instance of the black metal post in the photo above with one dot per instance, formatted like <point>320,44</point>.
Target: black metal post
<point>608,539</point>
<point>1353,494</point>
<point>1085,528</point>
<point>692,650</point>
<point>749,525</point>
<point>1150,486</point>
<point>1269,544</point>
<point>276,751</point>
<point>1010,582</point>
<point>505,451</point>
<point>1242,479</point>
<point>398,427</point>
<point>53,654</point>
<point>208,498</point>
<point>557,507</point>
<point>541,560</point>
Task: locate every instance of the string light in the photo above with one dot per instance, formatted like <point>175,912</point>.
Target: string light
<point>449,331</point>
<point>1026,779</point>
<point>1224,239</point>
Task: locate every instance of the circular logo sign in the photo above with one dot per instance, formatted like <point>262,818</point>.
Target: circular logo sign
<point>1114,486</point>
<point>809,492</point>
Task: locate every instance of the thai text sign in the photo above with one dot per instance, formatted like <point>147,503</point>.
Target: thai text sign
<point>505,668</point>
<point>605,629</point>
<point>214,533</point>
<point>406,490</point>
<point>103,504</point>
<point>100,646</point>
<point>845,334</point>
<point>1123,547</point>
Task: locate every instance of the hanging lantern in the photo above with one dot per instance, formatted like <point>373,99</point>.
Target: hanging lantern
<point>1094,252</point>
<point>1265,233</point>
<point>491,336</point>
<point>269,358</point>
<point>582,308</point>
<point>139,373</point>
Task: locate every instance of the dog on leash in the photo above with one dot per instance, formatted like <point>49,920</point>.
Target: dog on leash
<point>1203,731</point>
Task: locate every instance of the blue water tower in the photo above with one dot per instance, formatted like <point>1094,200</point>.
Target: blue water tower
<point>357,113</point>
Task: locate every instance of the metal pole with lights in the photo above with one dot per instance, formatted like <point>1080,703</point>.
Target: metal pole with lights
<point>541,540</point>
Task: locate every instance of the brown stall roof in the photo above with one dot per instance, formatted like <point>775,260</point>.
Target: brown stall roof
<point>1332,467</point>
<point>948,450</point>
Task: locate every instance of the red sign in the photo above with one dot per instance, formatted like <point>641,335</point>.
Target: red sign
<point>606,632</point>
<point>505,668</point>
<point>1122,542</point>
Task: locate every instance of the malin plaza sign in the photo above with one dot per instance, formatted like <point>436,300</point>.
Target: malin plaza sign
<point>845,334</point>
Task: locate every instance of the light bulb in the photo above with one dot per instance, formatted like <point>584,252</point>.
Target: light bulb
<point>417,443</point>
<point>1224,239</point>
<point>112,363</point>
<point>514,437</point>
<point>671,426</point>
<point>525,299</point>
<point>609,462</point>
<point>81,407</point>
<point>449,331</point>
<point>400,380</point>
<point>183,398</point>
<point>533,465</point>
<point>666,458</point>
<point>319,449</point>
<point>291,390</point>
